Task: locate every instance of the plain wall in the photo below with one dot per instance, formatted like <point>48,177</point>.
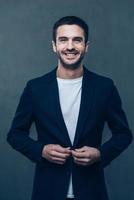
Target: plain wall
<point>26,52</point>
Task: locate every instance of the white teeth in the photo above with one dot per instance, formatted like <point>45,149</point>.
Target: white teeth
<point>68,54</point>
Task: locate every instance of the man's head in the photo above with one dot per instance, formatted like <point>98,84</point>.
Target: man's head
<point>70,41</point>
<point>70,20</point>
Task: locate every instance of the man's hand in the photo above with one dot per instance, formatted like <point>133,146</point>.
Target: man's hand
<point>56,153</point>
<point>86,155</point>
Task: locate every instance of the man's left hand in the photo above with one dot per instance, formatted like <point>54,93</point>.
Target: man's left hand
<point>86,155</point>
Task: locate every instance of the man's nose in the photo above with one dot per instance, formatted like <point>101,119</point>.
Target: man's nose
<point>70,45</point>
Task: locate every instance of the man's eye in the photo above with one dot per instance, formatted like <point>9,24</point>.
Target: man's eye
<point>78,40</point>
<point>62,40</point>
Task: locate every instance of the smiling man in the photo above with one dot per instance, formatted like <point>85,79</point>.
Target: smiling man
<point>69,107</point>
<point>70,46</point>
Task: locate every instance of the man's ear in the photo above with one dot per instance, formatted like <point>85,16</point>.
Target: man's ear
<point>87,46</point>
<point>54,46</point>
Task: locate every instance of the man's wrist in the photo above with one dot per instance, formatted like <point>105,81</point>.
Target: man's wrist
<point>98,155</point>
<point>43,151</point>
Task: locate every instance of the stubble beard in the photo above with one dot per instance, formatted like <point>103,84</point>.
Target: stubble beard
<point>71,66</point>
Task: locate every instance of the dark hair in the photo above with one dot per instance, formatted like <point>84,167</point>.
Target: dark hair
<point>70,20</point>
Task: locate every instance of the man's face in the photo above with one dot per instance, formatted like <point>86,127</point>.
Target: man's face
<point>70,46</point>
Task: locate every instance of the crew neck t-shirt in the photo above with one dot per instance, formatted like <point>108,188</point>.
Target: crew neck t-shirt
<point>70,98</point>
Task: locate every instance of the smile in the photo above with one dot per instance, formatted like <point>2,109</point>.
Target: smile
<point>71,55</point>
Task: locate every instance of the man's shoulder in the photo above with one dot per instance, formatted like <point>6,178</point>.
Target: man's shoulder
<point>46,78</point>
<point>98,78</point>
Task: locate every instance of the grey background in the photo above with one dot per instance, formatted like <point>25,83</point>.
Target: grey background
<point>26,52</point>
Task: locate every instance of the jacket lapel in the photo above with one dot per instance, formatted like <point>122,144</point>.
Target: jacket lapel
<point>86,106</point>
<point>55,105</point>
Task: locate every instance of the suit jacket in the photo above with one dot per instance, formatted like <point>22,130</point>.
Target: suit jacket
<point>39,103</point>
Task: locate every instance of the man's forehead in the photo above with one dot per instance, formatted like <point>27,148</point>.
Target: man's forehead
<point>70,31</point>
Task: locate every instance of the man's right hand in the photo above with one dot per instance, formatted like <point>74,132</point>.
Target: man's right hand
<point>56,153</point>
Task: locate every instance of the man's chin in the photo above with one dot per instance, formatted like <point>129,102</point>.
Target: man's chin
<point>73,65</point>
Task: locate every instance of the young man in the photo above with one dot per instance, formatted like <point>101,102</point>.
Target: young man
<point>69,107</point>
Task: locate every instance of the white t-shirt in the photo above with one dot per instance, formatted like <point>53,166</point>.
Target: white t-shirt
<point>70,98</point>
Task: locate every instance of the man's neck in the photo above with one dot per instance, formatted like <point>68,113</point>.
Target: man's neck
<point>69,73</point>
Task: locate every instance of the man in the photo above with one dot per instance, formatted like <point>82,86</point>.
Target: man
<point>69,107</point>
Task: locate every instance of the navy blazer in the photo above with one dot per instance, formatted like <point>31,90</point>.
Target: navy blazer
<point>39,103</point>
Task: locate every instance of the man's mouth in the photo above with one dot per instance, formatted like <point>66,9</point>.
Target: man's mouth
<point>71,55</point>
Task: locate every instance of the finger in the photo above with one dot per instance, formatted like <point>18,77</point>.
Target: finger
<point>53,159</point>
<point>69,148</point>
<point>58,155</point>
<point>90,162</point>
<point>81,149</point>
<point>61,149</point>
<point>79,154</point>
<point>83,160</point>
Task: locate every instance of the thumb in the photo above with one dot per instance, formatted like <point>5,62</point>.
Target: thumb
<point>68,148</point>
<point>80,149</point>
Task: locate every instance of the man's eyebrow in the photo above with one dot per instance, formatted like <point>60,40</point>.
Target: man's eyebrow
<point>75,37</point>
<point>62,37</point>
<point>78,38</point>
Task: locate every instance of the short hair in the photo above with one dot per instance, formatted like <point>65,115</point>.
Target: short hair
<point>70,20</point>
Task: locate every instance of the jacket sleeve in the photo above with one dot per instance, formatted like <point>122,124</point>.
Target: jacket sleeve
<point>18,136</point>
<point>117,122</point>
